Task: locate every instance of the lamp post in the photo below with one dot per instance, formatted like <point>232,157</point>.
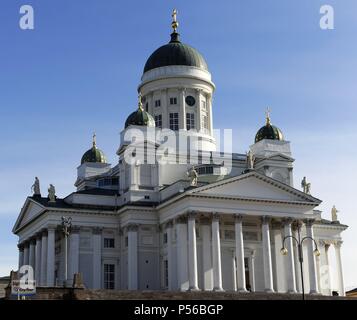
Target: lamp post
<point>66,229</point>
<point>284,251</point>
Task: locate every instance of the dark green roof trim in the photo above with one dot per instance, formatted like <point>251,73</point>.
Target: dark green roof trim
<point>175,53</point>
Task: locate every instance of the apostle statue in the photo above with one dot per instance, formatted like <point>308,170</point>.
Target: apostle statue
<point>250,160</point>
<point>52,193</point>
<point>35,189</point>
<point>193,175</point>
<point>334,214</point>
<point>306,186</point>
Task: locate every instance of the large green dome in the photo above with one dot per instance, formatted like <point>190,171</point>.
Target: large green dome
<point>94,154</point>
<point>269,132</point>
<point>175,53</point>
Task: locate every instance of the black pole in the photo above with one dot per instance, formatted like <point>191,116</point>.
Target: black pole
<point>301,260</point>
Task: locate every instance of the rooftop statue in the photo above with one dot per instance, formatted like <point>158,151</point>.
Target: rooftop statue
<point>334,214</point>
<point>250,160</point>
<point>193,175</point>
<point>306,186</point>
<point>52,193</point>
<point>35,188</point>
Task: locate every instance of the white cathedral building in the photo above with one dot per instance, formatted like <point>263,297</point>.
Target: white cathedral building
<point>173,225</point>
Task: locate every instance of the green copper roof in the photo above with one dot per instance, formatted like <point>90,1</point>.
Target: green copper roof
<point>140,118</point>
<point>269,132</point>
<point>94,154</point>
<point>175,53</point>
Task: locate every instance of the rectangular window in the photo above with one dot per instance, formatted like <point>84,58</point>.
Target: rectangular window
<point>165,237</point>
<point>174,121</point>
<point>109,243</point>
<point>157,103</point>
<point>166,273</point>
<point>205,170</point>
<point>173,100</point>
<point>205,122</point>
<point>158,121</point>
<point>147,106</point>
<point>190,121</point>
<point>109,276</point>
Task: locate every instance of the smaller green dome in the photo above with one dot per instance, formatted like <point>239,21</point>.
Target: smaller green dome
<point>140,117</point>
<point>94,154</point>
<point>269,132</point>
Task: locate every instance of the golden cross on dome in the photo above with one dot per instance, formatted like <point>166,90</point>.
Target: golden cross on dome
<point>267,114</point>
<point>94,140</point>
<point>174,23</point>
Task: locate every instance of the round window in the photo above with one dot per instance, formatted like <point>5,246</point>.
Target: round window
<point>190,101</point>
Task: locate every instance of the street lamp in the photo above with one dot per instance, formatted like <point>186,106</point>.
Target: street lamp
<point>284,251</point>
<point>66,229</point>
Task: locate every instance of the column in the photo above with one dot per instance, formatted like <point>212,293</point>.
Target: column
<point>32,252</point>
<point>97,258</point>
<point>132,234</point>
<point>51,257</point>
<point>164,109</point>
<point>209,112</point>
<point>73,254</point>
<point>207,254</point>
<point>318,270</point>
<point>234,270</point>
<point>328,269</point>
<point>170,266</point>
<point>252,270</point>
<point>192,252</point>
<point>241,283</point>
<point>311,257</point>
<point>21,255</point>
<point>216,254</point>
<point>279,269</point>
<point>199,109</point>
<point>297,262</point>
<point>38,258</point>
<point>182,106</point>
<point>26,253</point>
<point>290,266</point>
<point>182,263</point>
<point>43,277</point>
<point>341,287</point>
<point>268,270</point>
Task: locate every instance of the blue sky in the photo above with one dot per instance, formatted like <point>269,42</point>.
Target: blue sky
<point>78,71</point>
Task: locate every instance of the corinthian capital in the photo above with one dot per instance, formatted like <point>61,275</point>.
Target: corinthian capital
<point>238,218</point>
<point>265,219</point>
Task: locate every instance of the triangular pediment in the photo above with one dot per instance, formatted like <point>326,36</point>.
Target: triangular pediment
<point>279,157</point>
<point>254,185</point>
<point>30,210</point>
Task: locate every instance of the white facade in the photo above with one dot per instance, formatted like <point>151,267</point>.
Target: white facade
<point>144,226</point>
